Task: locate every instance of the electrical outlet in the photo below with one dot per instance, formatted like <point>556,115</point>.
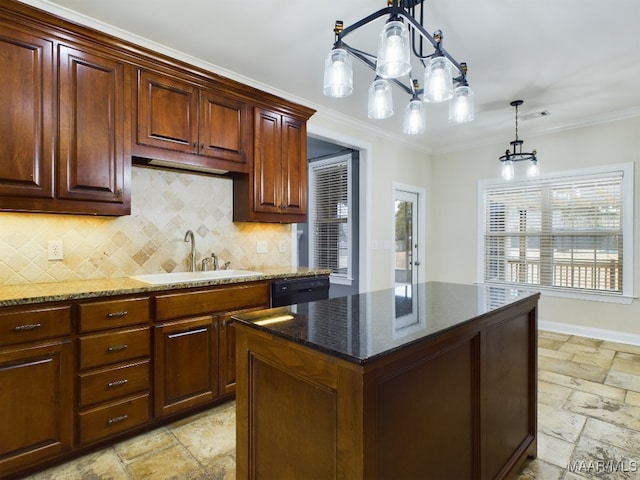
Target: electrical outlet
<point>55,250</point>
<point>282,246</point>
<point>261,246</point>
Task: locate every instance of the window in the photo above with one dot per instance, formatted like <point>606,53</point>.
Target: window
<point>569,233</point>
<point>330,214</point>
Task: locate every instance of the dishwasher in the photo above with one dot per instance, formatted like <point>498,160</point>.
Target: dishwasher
<point>298,290</point>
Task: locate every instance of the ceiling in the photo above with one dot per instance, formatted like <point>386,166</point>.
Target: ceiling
<point>577,59</point>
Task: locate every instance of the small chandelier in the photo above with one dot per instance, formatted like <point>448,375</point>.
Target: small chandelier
<point>444,78</point>
<point>509,158</point>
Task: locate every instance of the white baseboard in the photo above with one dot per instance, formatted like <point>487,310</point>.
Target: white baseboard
<point>599,333</point>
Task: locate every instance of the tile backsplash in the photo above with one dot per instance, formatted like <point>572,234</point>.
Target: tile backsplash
<point>164,206</point>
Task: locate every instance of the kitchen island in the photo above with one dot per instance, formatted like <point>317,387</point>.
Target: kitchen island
<point>433,380</point>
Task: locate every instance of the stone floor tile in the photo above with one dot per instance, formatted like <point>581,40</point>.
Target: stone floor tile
<point>132,448</point>
<point>588,350</point>
<point>560,423</point>
<point>553,335</point>
<point>172,463</point>
<point>553,450</point>
<point>555,354</point>
<point>632,398</point>
<point>621,347</point>
<point>605,409</point>
<point>538,469</point>
<point>550,343</point>
<point>552,394</point>
<point>623,380</point>
<point>209,436</point>
<point>594,360</point>
<point>615,393</point>
<point>627,363</point>
<point>96,466</point>
<point>573,369</point>
<point>621,437</point>
<point>590,342</point>
<point>594,459</point>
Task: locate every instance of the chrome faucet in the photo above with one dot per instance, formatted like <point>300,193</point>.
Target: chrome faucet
<point>214,259</point>
<point>189,237</point>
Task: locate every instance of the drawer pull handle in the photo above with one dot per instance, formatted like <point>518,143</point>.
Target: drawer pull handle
<point>118,348</point>
<point>119,419</point>
<point>27,327</point>
<point>117,383</point>
<point>189,332</point>
<point>117,314</point>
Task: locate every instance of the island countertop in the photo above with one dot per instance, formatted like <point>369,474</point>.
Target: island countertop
<point>360,328</point>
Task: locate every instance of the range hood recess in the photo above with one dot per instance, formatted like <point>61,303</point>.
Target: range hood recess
<point>177,165</point>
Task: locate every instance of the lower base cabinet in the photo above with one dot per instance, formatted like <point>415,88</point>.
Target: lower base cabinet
<point>36,403</point>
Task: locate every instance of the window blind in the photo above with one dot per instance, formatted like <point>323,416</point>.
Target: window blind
<point>562,232</point>
<point>331,226</point>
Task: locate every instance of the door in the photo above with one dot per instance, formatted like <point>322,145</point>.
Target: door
<point>92,127</point>
<point>407,245</point>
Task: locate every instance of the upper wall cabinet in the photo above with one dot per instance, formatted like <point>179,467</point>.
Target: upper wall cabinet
<point>26,116</point>
<point>86,169</point>
<point>276,188</point>
<point>190,126</point>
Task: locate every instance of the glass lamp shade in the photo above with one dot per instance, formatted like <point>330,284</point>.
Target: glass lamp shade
<point>438,80</point>
<point>338,74</point>
<point>533,170</point>
<point>461,105</point>
<point>507,170</point>
<point>414,118</point>
<point>380,100</point>
<point>394,54</point>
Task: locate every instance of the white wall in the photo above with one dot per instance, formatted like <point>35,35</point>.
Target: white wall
<point>453,222</point>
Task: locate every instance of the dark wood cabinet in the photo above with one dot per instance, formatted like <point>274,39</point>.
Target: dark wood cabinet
<point>276,189</point>
<point>114,353</point>
<point>178,117</point>
<point>36,386</point>
<point>92,154</point>
<point>194,342</point>
<point>88,171</point>
<point>186,373</point>
<point>26,117</point>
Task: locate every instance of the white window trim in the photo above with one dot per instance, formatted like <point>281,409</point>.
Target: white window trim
<point>627,231</point>
<point>337,279</point>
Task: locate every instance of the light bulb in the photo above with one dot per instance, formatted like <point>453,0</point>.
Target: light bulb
<point>380,104</point>
<point>533,170</point>
<point>438,80</point>
<point>507,170</point>
<point>414,118</point>
<point>394,55</point>
<point>461,109</point>
<point>338,74</point>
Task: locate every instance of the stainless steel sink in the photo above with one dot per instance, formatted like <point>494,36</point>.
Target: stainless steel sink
<point>185,277</point>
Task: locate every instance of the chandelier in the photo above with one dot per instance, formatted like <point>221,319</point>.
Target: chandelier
<point>402,35</point>
<point>509,158</point>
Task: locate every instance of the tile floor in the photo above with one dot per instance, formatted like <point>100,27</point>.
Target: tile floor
<point>588,426</point>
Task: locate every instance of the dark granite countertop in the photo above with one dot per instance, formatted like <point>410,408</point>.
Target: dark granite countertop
<point>359,328</point>
<point>27,294</point>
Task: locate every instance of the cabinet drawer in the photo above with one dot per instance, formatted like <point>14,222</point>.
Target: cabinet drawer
<point>28,325</point>
<point>113,347</point>
<point>113,313</point>
<point>190,304</point>
<point>114,418</point>
<point>109,383</point>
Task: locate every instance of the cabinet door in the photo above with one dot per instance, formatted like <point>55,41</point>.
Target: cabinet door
<point>186,354</point>
<point>92,127</point>
<point>267,162</point>
<point>294,166</point>
<point>36,403</point>
<point>224,127</point>
<point>26,123</point>
<point>167,113</point>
